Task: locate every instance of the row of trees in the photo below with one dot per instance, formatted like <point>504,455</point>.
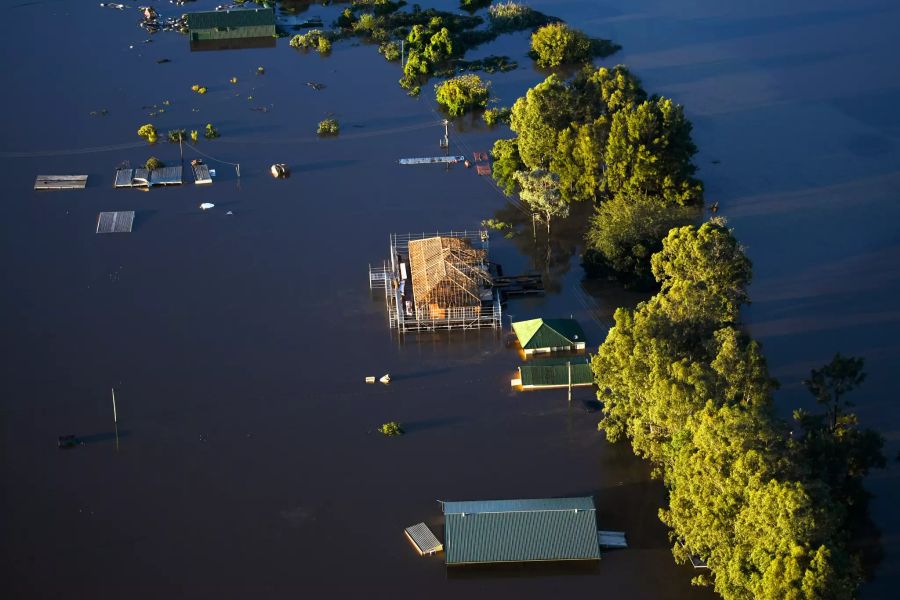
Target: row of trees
<point>765,507</point>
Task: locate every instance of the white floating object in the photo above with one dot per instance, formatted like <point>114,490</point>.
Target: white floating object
<point>207,205</point>
<point>370,379</point>
<point>386,378</point>
<point>229,213</point>
<point>212,172</point>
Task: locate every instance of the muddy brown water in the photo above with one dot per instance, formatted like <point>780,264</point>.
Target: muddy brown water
<point>247,461</point>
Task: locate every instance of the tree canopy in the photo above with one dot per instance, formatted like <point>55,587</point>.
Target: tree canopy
<point>681,380</point>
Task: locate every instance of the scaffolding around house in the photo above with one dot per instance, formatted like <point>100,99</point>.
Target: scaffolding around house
<point>438,281</point>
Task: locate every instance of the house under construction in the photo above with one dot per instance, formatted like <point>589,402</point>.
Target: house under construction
<point>438,281</point>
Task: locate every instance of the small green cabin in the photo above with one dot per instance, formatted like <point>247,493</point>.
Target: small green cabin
<point>231,24</point>
<point>549,335</point>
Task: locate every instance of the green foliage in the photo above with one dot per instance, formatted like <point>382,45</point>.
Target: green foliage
<point>462,93</point>
<point>539,189</point>
<point>176,135</point>
<point>313,39</point>
<point>194,135</point>
<point>148,132</point>
<point>390,50</point>
<point>627,229</point>
<point>557,44</point>
<point>650,150</point>
<point>538,117</point>
<point>507,163</point>
<point>514,16</point>
<point>832,444</point>
<point>680,379</point>
<point>328,127</point>
<point>391,428</point>
<point>210,132</point>
<point>153,163</point>
<point>493,116</point>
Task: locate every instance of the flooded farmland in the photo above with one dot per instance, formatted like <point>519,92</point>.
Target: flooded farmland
<point>247,461</point>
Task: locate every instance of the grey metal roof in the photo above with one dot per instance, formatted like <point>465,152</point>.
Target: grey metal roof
<point>552,529</point>
<point>483,506</point>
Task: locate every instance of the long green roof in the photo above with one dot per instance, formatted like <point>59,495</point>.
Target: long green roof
<point>548,333</point>
<point>552,529</point>
<point>556,372</point>
<point>223,24</point>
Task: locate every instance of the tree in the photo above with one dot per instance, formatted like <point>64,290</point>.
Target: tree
<point>539,189</point>
<point>153,163</point>
<point>835,449</point>
<point>626,230</point>
<point>148,132</point>
<point>507,163</point>
<point>460,94</point>
<point>578,159</point>
<point>703,272</point>
<point>557,44</point>
<point>650,150</point>
<point>538,117</point>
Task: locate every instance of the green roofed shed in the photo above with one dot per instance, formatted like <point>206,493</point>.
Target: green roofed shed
<point>548,374</point>
<point>494,531</point>
<point>549,335</point>
<point>231,24</point>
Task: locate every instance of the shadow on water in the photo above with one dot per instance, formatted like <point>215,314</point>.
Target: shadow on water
<point>102,438</point>
<point>426,424</point>
<point>518,570</point>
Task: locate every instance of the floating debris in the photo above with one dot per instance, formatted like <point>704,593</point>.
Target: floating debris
<point>370,379</point>
<point>260,71</point>
<point>280,171</point>
<point>316,85</point>
<point>162,61</point>
<point>386,378</point>
<point>231,213</point>
<point>207,206</point>
<point>115,5</point>
<point>99,113</point>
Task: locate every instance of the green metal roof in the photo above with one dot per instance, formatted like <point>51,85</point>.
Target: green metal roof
<point>224,24</point>
<point>548,333</point>
<point>556,372</point>
<point>549,529</point>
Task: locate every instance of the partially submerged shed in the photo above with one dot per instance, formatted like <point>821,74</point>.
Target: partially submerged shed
<point>502,531</point>
<point>550,374</point>
<point>549,335</point>
<point>217,25</point>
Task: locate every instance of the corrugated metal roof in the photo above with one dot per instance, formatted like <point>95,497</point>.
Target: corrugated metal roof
<point>208,25</point>
<point>548,333</point>
<point>521,530</point>
<point>526,505</point>
<point>556,372</point>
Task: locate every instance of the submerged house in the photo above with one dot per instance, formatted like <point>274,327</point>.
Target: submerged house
<point>550,374</point>
<point>549,335</point>
<point>232,29</point>
<point>438,281</point>
<point>504,531</point>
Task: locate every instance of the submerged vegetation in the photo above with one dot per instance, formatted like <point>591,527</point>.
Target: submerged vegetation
<point>148,132</point>
<point>313,39</point>
<point>210,132</point>
<point>154,163</point>
<point>680,378</point>
<point>558,44</point>
<point>461,94</point>
<point>493,116</point>
<point>391,428</point>
<point>328,127</point>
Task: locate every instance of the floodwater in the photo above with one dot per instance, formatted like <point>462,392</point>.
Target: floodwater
<point>247,463</point>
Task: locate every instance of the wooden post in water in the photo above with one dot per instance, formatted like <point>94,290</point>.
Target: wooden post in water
<point>569,366</point>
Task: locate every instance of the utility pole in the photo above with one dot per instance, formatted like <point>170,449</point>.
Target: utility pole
<point>181,148</point>
<point>402,53</point>
<point>569,366</point>
<point>115,417</point>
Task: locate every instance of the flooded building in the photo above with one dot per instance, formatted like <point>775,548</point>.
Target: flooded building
<point>549,335</point>
<point>232,29</point>
<point>504,531</point>
<point>438,281</point>
<point>556,373</point>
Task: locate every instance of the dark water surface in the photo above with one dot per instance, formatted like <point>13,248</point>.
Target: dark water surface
<point>248,465</point>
